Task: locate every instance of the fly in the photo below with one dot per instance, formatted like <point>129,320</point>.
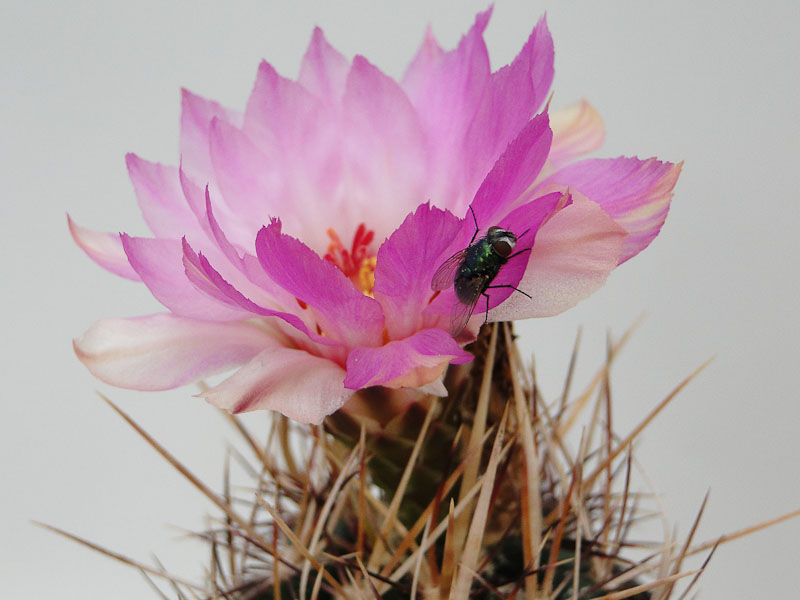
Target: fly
<point>471,271</point>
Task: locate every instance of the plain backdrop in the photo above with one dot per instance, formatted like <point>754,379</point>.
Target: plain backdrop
<point>711,83</point>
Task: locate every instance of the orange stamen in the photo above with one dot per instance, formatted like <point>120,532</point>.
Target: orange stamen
<point>357,262</point>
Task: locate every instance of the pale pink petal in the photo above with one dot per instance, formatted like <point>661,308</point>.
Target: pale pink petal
<point>164,351</point>
<point>103,248</point>
<point>208,280</point>
<point>304,387</point>
<point>411,362</point>
<point>219,236</point>
<point>385,150</point>
<point>577,130</point>
<point>159,263</point>
<point>196,116</point>
<point>161,198</point>
<point>636,193</point>
<point>405,267</point>
<point>512,95</point>
<point>250,278</point>
<point>249,181</point>
<point>301,138</point>
<point>280,112</point>
<point>446,89</point>
<point>343,313</point>
<point>195,199</point>
<point>323,71</point>
<point>423,67</point>
<point>513,173</point>
<point>574,253</point>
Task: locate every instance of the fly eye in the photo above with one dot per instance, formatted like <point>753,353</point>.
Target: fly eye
<point>502,247</point>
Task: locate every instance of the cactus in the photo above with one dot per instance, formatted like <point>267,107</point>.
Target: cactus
<point>477,495</point>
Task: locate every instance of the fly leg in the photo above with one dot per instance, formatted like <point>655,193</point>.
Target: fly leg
<point>520,252</point>
<point>491,287</point>
<point>477,229</point>
<point>505,286</point>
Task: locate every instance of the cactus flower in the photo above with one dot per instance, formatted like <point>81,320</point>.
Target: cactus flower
<point>296,240</point>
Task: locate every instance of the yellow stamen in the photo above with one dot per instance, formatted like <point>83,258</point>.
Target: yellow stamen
<point>366,275</point>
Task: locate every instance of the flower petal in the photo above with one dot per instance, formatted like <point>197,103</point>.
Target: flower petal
<point>513,172</point>
<point>323,71</point>
<point>513,94</point>
<point>577,130</point>
<point>159,263</point>
<point>161,198</point>
<point>421,72</point>
<point>208,280</point>
<point>574,253</point>
<point>163,351</point>
<point>406,264</point>
<point>446,89</point>
<point>301,139</point>
<point>304,387</point>
<point>343,313</point>
<point>636,193</point>
<point>385,150</point>
<point>525,221</point>
<point>246,177</point>
<point>196,116</point>
<point>103,248</point>
<point>412,362</point>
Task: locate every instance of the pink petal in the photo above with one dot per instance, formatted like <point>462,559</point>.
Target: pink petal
<point>195,199</point>
<point>219,236</point>
<point>343,313</point>
<point>323,71</point>
<point>159,263</point>
<point>525,221</point>
<point>164,351</point>
<point>304,387</point>
<point>575,251</point>
<point>280,110</point>
<point>161,198</point>
<point>422,70</point>
<point>385,149</point>
<point>412,362</point>
<point>513,173</point>
<point>249,181</point>
<point>103,248</point>
<point>636,193</point>
<point>208,280</point>
<point>446,90</point>
<point>237,229</point>
<point>406,264</point>
<point>528,219</point>
<point>254,281</point>
<point>577,130</point>
<point>196,116</point>
<point>446,87</point>
<point>513,94</point>
<point>301,138</point>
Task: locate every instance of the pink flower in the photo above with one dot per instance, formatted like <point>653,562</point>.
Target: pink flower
<point>376,177</point>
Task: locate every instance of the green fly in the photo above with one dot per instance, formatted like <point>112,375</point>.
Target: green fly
<point>471,271</point>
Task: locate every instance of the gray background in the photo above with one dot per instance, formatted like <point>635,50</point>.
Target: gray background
<point>712,83</point>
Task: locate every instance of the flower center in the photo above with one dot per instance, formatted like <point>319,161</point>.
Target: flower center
<point>358,263</point>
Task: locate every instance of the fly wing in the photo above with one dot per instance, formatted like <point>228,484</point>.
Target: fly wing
<point>462,310</point>
<point>446,274</point>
